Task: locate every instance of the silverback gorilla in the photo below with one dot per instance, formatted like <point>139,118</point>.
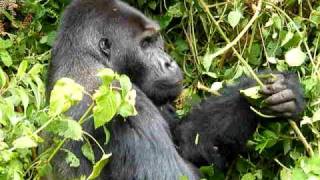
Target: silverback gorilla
<point>96,34</point>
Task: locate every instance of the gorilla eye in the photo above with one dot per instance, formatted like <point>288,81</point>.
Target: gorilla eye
<point>105,46</point>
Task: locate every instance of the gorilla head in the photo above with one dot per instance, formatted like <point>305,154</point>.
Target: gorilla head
<point>109,33</point>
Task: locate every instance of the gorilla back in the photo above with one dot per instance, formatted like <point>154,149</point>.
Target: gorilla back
<point>95,34</point>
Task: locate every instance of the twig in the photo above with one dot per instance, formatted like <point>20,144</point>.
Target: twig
<point>282,165</point>
<point>241,34</point>
<point>301,138</point>
<point>243,61</point>
<point>204,88</point>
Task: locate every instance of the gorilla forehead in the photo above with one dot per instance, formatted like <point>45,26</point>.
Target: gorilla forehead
<point>108,16</point>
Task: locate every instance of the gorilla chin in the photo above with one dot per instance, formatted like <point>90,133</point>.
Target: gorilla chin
<point>163,91</point>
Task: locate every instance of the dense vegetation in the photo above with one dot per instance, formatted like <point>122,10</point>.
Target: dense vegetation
<point>214,41</point>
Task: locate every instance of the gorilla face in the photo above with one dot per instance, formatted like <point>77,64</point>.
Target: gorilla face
<point>109,33</point>
<point>136,49</point>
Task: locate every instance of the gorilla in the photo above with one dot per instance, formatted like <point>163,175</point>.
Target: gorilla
<point>96,34</point>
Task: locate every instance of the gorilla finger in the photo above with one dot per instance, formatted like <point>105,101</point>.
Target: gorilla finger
<point>282,96</point>
<point>284,107</point>
<point>273,88</point>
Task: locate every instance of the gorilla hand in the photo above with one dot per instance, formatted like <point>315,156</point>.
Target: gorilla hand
<point>284,96</point>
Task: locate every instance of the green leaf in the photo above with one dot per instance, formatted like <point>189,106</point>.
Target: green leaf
<point>107,135</point>
<point>72,159</point>
<point>234,18</point>
<point>22,69</point>
<point>295,57</point>
<point>252,93</point>
<point>45,169</point>
<point>4,44</point>
<point>183,178</point>
<point>24,142</point>
<point>105,109</point>
<point>107,75</point>
<point>87,151</point>
<point>24,97</point>
<point>98,167</point>
<point>316,116</point>
<point>127,108</point>
<point>35,70</point>
<point>207,61</point>
<point>248,176</point>
<point>176,10</point>
<point>125,84</point>
<point>67,128</point>
<point>65,93</point>
<point>5,58</point>
<point>289,35</point>
<point>3,78</point>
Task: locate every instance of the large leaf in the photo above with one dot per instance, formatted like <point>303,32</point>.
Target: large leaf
<point>106,107</point>
<point>295,57</point>
<point>65,93</point>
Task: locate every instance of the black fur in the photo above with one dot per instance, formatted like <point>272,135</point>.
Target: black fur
<point>96,34</point>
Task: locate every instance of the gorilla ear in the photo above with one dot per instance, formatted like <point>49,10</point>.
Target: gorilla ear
<point>105,46</point>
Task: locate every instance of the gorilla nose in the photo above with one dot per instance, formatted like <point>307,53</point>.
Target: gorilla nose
<point>169,64</point>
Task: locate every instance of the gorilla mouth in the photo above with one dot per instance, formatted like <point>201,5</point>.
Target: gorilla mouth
<point>166,83</point>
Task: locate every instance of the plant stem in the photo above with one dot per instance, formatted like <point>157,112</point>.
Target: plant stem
<point>301,138</point>
<point>243,61</point>
<point>204,88</point>
<point>241,34</point>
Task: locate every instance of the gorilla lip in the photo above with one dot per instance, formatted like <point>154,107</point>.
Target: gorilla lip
<point>163,83</point>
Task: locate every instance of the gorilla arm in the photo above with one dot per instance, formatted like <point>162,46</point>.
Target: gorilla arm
<point>217,129</point>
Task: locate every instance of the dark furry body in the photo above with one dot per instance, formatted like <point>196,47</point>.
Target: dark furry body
<point>153,144</point>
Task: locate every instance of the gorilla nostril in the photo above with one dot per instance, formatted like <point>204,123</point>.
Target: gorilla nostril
<point>167,64</point>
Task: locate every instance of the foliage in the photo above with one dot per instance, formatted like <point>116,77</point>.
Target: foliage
<point>206,39</point>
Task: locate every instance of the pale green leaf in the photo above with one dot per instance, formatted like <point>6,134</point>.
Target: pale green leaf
<point>4,44</point>
<point>67,128</point>
<point>24,142</point>
<point>3,78</point>
<point>207,61</point>
<point>295,57</point>
<point>107,75</point>
<point>316,116</point>
<point>105,109</point>
<point>125,84</point>
<point>5,58</point>
<point>65,93</point>
<point>98,167</point>
<point>22,69</point>
<point>234,18</point>
<point>252,93</point>
<point>24,97</point>
<point>72,159</point>
<point>288,37</point>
